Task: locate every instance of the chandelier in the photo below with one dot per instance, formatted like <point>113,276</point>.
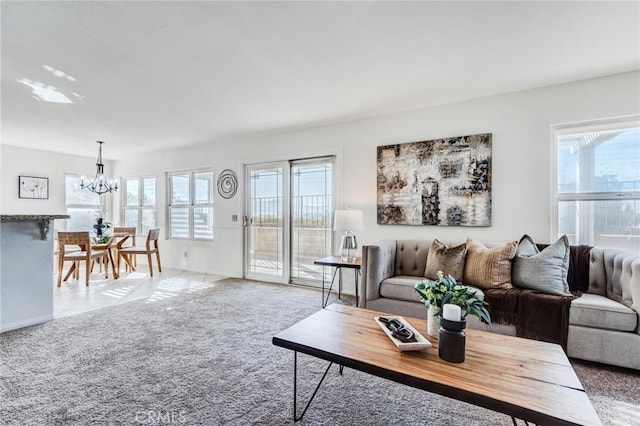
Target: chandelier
<point>99,184</point>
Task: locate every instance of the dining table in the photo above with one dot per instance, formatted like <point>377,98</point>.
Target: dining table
<point>121,238</point>
<point>106,246</point>
<point>113,242</point>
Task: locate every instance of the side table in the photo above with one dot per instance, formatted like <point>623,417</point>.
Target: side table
<point>339,264</point>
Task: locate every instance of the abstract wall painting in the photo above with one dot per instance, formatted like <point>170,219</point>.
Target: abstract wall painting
<point>33,187</point>
<point>444,182</point>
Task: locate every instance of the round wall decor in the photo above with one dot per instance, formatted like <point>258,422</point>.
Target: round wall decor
<point>227,183</point>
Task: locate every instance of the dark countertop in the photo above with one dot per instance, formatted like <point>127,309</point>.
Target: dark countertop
<point>31,217</point>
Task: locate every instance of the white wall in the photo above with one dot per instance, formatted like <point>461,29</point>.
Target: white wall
<point>520,123</point>
<point>16,161</point>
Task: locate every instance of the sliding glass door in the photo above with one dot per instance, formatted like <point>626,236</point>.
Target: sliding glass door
<point>289,211</point>
<point>266,224</point>
<point>311,214</point>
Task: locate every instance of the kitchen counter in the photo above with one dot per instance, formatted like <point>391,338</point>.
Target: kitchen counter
<point>43,220</point>
<point>26,270</point>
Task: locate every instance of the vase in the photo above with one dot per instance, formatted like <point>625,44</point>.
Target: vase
<point>451,341</point>
<point>433,322</point>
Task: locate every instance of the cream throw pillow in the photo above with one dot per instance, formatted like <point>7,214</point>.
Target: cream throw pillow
<point>489,267</point>
<point>449,260</point>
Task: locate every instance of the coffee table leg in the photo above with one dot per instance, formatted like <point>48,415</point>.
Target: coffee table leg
<point>295,388</point>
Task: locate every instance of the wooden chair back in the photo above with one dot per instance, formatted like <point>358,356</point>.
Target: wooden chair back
<point>129,230</point>
<point>152,237</point>
<point>80,238</point>
<point>124,230</point>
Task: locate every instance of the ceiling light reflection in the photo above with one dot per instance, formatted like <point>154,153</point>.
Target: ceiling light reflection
<point>44,93</point>
<point>48,93</point>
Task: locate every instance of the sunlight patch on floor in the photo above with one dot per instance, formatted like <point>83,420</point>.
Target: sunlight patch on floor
<point>181,284</point>
<point>174,284</point>
<point>135,276</point>
<point>159,295</point>
<point>74,297</point>
<point>119,293</point>
<point>196,286</point>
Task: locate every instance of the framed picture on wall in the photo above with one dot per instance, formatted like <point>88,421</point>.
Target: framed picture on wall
<point>33,187</point>
<point>441,182</point>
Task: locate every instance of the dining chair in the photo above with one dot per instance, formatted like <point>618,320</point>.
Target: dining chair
<point>126,236</point>
<point>151,247</point>
<point>56,251</point>
<point>68,242</point>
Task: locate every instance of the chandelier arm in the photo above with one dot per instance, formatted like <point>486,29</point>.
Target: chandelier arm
<point>100,185</point>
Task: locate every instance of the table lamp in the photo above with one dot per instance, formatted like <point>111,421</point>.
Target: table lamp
<point>348,221</point>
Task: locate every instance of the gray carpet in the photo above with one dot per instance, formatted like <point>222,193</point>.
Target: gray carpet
<point>206,358</point>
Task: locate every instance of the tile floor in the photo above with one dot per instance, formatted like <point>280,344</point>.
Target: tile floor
<point>73,297</point>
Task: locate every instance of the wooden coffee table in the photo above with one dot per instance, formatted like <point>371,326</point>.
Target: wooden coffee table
<point>522,378</point>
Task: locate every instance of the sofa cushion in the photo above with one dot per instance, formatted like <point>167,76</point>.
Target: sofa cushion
<point>401,287</point>
<point>592,310</point>
<point>449,260</point>
<point>489,267</point>
<point>544,271</point>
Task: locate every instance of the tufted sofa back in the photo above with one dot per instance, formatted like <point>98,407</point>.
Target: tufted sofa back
<point>411,257</point>
<point>616,275</point>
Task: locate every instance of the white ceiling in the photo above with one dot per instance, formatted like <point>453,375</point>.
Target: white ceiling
<point>151,75</point>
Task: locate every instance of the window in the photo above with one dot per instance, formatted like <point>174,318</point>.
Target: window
<point>597,185</point>
<point>83,206</point>
<point>139,203</point>
<point>191,204</point>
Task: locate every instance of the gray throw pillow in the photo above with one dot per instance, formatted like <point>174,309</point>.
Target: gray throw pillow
<point>544,271</point>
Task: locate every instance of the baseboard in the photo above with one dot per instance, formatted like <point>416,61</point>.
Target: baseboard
<point>25,323</point>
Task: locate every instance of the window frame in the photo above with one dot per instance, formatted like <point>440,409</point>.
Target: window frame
<point>140,208</point>
<point>559,130</point>
<point>191,205</point>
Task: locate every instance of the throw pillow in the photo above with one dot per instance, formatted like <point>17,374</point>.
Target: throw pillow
<point>544,271</point>
<point>489,267</point>
<point>449,260</point>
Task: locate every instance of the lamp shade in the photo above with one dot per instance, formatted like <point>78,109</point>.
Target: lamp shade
<point>348,220</point>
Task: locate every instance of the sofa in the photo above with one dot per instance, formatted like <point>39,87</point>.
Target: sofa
<point>603,325</point>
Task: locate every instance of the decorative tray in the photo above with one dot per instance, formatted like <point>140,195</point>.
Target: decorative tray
<point>421,343</point>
